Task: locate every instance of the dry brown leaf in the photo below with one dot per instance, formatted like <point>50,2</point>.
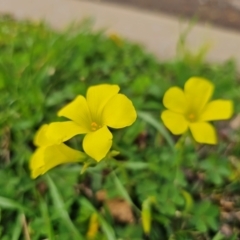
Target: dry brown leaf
<point>235,122</point>
<point>227,205</point>
<point>119,208</point>
<point>237,215</point>
<point>101,195</point>
<point>226,230</point>
<point>227,216</point>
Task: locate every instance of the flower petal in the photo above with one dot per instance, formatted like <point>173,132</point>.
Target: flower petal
<point>62,131</point>
<point>78,111</point>
<point>119,112</point>
<point>97,97</point>
<point>203,132</point>
<point>198,92</point>
<point>41,139</point>
<point>97,144</point>
<point>217,110</point>
<point>175,122</point>
<point>174,99</point>
<point>61,154</point>
<point>37,162</point>
<point>49,157</point>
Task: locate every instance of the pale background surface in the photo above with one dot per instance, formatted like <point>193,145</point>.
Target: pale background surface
<point>159,33</point>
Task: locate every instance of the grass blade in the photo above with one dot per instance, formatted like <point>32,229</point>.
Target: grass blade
<point>60,208</point>
<point>17,228</point>
<point>161,129</point>
<point>46,217</point>
<point>107,229</point>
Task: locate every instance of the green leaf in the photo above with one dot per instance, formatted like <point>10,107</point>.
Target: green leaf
<point>219,236</point>
<point>135,165</point>
<point>11,204</point>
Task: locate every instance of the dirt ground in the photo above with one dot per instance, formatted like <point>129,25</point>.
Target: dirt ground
<point>224,13</point>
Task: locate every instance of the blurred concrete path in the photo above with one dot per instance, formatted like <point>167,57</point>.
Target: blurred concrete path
<point>224,13</point>
<point>157,32</point>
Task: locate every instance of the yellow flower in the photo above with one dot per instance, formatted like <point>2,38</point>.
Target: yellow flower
<point>193,109</point>
<point>116,39</point>
<point>50,153</point>
<point>103,107</point>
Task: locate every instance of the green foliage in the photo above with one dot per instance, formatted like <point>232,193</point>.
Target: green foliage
<point>41,70</point>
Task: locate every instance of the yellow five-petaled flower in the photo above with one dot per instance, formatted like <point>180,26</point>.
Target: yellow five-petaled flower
<point>193,109</point>
<point>103,107</point>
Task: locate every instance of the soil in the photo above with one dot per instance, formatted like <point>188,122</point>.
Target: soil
<point>223,13</point>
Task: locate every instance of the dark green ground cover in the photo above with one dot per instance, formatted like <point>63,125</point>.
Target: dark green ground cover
<point>185,190</point>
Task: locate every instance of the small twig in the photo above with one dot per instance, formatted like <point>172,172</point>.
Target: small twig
<point>4,145</point>
<point>25,227</point>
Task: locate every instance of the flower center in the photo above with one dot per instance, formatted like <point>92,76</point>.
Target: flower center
<point>191,117</point>
<point>95,126</point>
